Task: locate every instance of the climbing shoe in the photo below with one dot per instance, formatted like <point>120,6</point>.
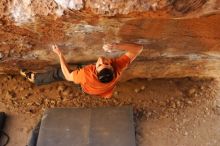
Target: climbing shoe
<point>27,74</point>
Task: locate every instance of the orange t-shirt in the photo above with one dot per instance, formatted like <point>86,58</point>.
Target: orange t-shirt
<point>90,84</point>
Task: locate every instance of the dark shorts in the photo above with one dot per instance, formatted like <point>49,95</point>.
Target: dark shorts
<point>50,76</point>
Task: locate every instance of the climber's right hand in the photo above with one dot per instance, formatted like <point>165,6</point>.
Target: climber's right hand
<point>56,50</point>
<point>108,48</point>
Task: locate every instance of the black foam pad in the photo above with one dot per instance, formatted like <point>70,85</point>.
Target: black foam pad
<point>109,126</point>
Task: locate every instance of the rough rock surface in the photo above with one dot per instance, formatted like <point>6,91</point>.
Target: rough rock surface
<point>24,11</point>
<point>172,47</point>
<point>114,7</point>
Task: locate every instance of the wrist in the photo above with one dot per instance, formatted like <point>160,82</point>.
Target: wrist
<point>60,55</point>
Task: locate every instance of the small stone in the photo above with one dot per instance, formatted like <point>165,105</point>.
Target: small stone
<point>116,93</point>
<point>185,133</point>
<point>15,103</point>
<point>1,55</point>
<point>23,98</point>
<point>29,103</point>
<point>69,96</point>
<point>148,114</point>
<point>39,102</point>
<point>178,103</point>
<point>217,103</point>
<point>66,92</point>
<point>12,51</point>
<point>154,100</point>
<point>136,90</point>
<point>162,103</point>
<point>173,105</point>
<point>143,88</point>
<point>202,87</point>
<point>77,94</point>
<point>217,111</point>
<point>192,91</point>
<point>30,89</point>
<point>61,88</point>
<point>189,102</point>
<point>10,94</point>
<point>27,95</point>
<point>115,101</point>
<point>46,102</point>
<point>9,77</point>
<point>53,102</point>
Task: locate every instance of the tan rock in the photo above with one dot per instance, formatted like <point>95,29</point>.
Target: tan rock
<point>116,93</point>
<point>61,88</point>
<point>136,90</point>
<point>1,55</point>
<point>143,87</point>
<point>10,94</point>
<point>191,91</point>
<point>66,92</point>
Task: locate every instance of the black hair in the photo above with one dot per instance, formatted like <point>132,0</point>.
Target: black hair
<point>105,75</point>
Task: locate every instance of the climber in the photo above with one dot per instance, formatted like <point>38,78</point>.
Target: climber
<point>95,79</point>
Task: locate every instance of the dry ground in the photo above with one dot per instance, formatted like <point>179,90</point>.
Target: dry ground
<point>168,112</point>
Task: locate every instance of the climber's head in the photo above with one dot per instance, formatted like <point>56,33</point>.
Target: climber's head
<point>104,69</point>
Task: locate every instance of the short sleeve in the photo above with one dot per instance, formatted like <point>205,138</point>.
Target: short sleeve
<point>122,62</point>
<point>78,76</point>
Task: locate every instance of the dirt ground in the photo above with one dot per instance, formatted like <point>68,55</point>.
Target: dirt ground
<point>167,112</point>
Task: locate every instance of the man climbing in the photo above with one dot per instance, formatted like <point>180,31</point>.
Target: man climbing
<point>95,79</point>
